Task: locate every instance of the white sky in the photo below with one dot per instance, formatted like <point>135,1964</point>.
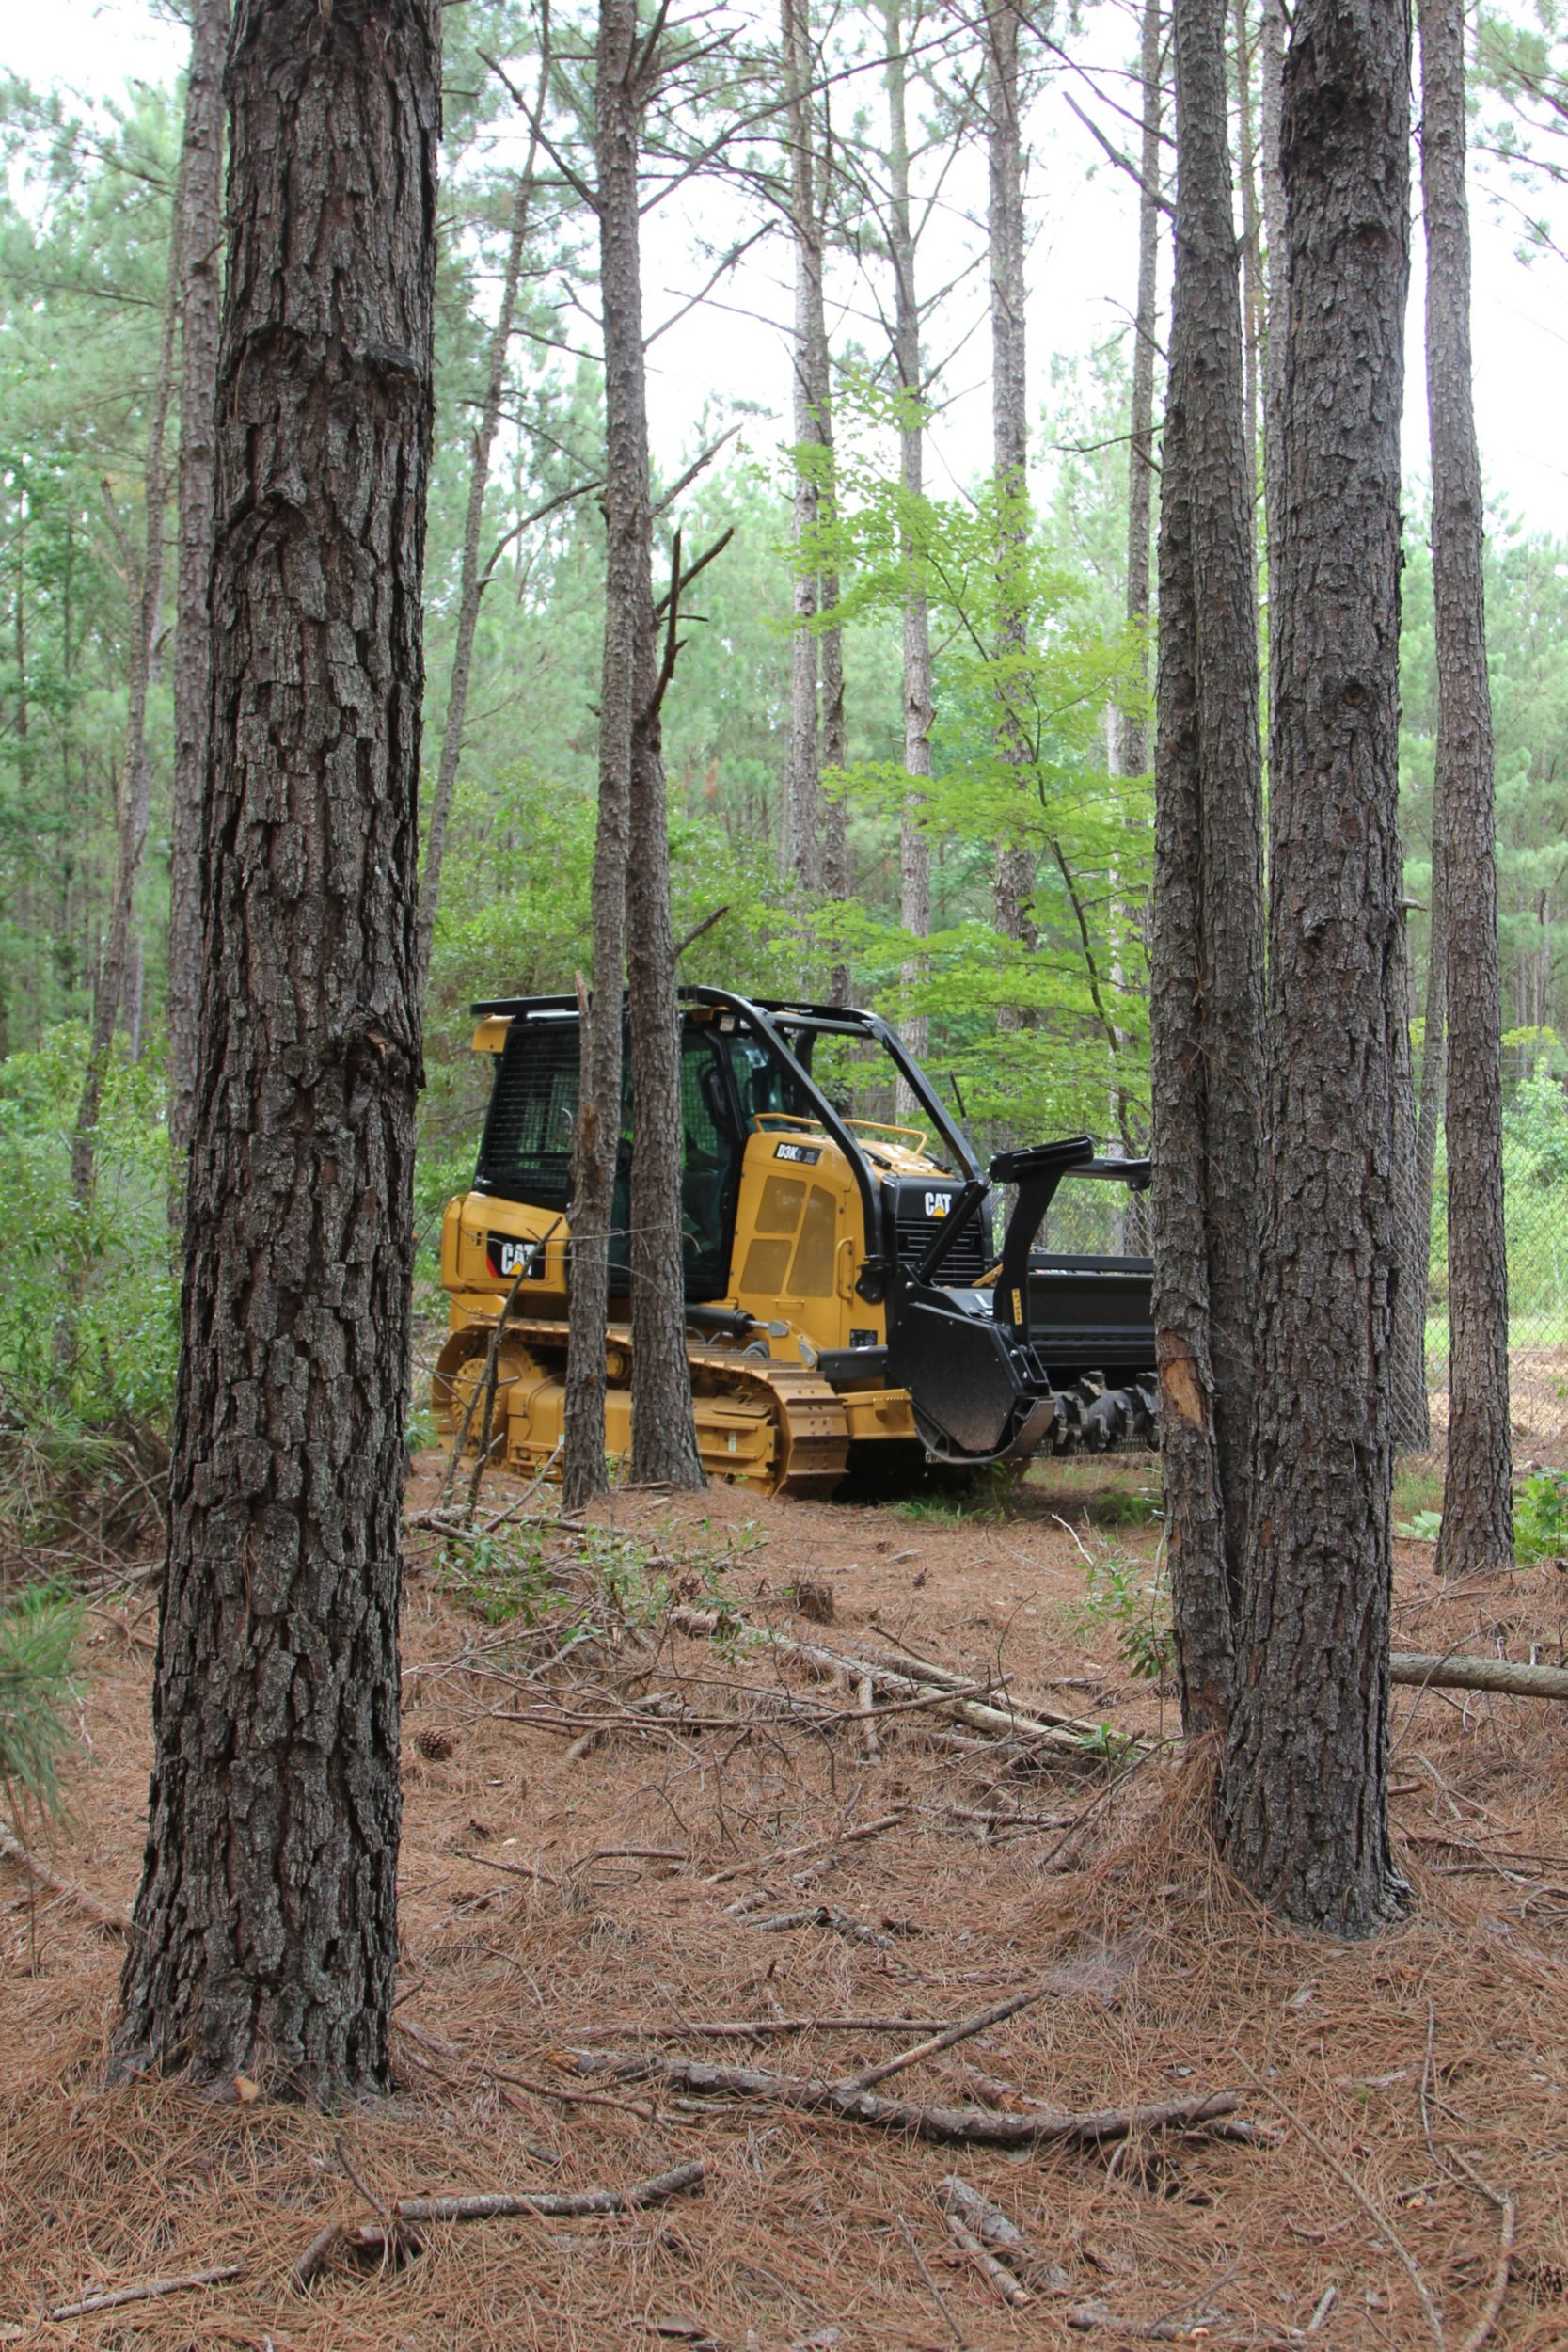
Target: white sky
<point>1081,278</point>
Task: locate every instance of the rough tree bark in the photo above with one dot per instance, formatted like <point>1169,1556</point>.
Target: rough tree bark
<point>1013,883</point>
<point>626,617</point>
<point>134,796</point>
<point>915,850</point>
<point>1477,1533</point>
<point>1302,1809</point>
<point>631,872</point>
<point>1251,250</point>
<point>202,251</point>
<point>1407,1373</point>
<point>663,1429</point>
<point>1429,1110</point>
<point>472,579</point>
<point>799,845</point>
<point>1206,999</point>
<point>1271,86</point>
<point>265,1934</point>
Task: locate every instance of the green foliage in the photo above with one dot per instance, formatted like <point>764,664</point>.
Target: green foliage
<point>88,1300</point>
<point>982,564</point>
<point>515,920</point>
<point>1541,1517</point>
<point>38,1634</point>
<point>1124,1594</point>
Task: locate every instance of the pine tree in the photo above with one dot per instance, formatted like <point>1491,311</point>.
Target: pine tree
<point>265,1930</point>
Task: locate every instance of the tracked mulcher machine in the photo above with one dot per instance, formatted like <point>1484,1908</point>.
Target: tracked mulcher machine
<point>847,1314</point>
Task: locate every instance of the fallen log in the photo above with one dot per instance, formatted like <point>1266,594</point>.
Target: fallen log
<point>1452,1672</point>
<point>1068,1734</point>
<point>963,2126</point>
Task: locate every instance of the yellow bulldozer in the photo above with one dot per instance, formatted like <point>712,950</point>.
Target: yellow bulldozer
<point>848,1318</point>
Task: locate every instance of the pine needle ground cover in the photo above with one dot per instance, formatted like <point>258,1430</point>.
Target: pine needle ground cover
<point>619,1835</point>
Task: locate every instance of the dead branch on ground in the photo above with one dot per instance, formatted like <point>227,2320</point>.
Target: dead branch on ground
<point>487,2205</point>
<point>1043,1727</point>
<point>962,2126</point>
<point>112,2298</point>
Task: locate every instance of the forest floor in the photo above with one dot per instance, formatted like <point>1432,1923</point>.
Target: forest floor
<point>584,1874</point>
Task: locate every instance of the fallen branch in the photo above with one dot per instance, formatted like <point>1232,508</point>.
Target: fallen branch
<point>826,1915</point>
<point>755,2029</point>
<point>1070,1734</point>
<point>111,2298</point>
<point>1478,1673</point>
<point>809,1845</point>
<point>487,2205</point>
<point>990,1819</point>
<point>82,1899</point>
<point>967,2127</point>
<point>997,2277</point>
<point>990,2226</point>
<point>950,2036</point>
<point>1086,2316</point>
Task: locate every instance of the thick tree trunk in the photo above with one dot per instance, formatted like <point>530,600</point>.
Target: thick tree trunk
<point>266,1936</point>
<point>1302,1799</point>
<point>133,797</point>
<point>1013,884</point>
<point>201,254</point>
<point>1208,925</point>
<point>800,844</point>
<point>627,620</point>
<point>1478,1495</point>
<point>914,853</point>
<point>473,581</point>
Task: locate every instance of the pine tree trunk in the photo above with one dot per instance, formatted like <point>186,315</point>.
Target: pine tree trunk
<point>1303,1800</point>
<point>1412,1416</point>
<point>1014,881</point>
<point>1429,1105</point>
<point>914,853</point>
<point>1133,729</point>
<point>800,854</point>
<point>663,1431</point>
<point>265,1935</point>
<point>1209,922</point>
<point>836,877</point>
<point>201,252</point>
<point>1277,315</point>
<point>627,619</point>
<point>134,796</point>
<point>471,580</point>
<point>1252,252</point>
<point>1477,1533</point>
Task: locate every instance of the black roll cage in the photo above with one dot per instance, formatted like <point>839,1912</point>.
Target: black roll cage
<point>776,1021</point>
